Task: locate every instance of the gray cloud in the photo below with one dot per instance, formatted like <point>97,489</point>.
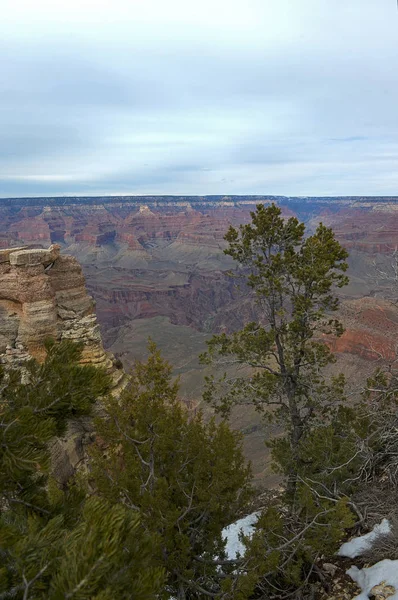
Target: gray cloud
<point>282,97</point>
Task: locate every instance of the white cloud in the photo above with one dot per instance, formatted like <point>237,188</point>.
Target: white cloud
<point>177,96</point>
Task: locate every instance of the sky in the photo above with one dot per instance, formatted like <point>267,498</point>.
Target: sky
<point>186,97</point>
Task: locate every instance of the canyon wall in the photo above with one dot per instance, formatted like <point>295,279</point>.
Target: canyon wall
<point>149,257</point>
<point>155,267</point>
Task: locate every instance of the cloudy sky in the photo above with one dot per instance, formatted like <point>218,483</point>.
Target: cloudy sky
<point>294,97</point>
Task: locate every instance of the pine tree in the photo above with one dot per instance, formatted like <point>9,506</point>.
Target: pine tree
<point>186,478</point>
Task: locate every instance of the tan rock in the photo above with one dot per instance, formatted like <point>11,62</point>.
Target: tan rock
<point>38,256</point>
<point>329,568</point>
<point>5,253</point>
<point>382,591</point>
<point>43,295</point>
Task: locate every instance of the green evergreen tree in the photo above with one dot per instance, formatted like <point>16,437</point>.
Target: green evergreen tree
<point>36,402</point>
<point>186,478</point>
<point>293,278</point>
<point>54,543</point>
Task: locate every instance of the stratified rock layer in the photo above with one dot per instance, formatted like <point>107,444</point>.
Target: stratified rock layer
<point>155,267</point>
<point>43,295</point>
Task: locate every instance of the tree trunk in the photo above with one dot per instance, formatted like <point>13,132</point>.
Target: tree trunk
<point>297,430</point>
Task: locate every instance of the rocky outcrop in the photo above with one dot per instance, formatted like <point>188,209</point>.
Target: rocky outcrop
<point>43,295</point>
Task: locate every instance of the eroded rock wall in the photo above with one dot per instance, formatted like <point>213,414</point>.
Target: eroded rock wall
<point>43,295</point>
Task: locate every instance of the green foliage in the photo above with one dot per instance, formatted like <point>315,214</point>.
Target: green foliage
<point>286,546</point>
<point>335,461</point>
<point>105,556</point>
<point>54,543</point>
<point>187,478</point>
<point>282,553</point>
<point>293,278</point>
<point>35,404</point>
<point>282,357</point>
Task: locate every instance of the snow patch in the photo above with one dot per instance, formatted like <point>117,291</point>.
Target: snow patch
<point>234,545</point>
<point>358,545</point>
<point>384,572</point>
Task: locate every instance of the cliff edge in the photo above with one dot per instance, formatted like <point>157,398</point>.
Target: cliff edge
<point>43,295</point>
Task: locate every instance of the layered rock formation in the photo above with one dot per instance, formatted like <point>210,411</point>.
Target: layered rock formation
<point>372,229</point>
<point>145,257</point>
<point>43,295</point>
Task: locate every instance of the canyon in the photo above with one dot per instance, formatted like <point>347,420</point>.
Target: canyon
<point>155,267</point>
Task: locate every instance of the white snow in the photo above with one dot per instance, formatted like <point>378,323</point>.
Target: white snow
<point>358,545</point>
<point>234,545</point>
<point>385,571</point>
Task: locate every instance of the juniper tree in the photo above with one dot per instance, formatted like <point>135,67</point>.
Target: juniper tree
<point>277,365</point>
<point>36,402</point>
<point>55,543</point>
<point>293,278</point>
<point>186,478</point>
